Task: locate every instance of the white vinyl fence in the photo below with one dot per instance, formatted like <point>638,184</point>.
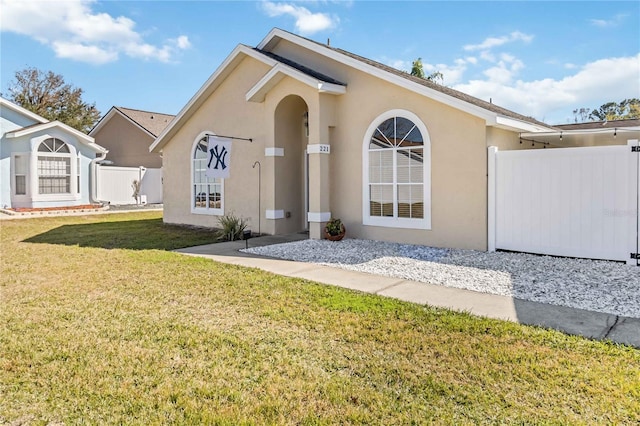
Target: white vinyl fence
<point>116,185</point>
<point>576,202</point>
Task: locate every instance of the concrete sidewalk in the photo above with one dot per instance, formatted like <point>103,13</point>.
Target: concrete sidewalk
<point>594,325</point>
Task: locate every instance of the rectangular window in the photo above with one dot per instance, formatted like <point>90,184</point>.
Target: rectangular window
<point>54,175</point>
<point>207,191</point>
<point>78,176</point>
<point>410,196</point>
<point>20,173</point>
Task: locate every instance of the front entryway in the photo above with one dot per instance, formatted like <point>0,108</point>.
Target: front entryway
<point>291,169</point>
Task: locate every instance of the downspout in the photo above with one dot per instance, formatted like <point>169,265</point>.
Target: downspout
<point>93,187</point>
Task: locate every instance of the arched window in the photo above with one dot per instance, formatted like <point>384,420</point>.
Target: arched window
<point>54,167</point>
<point>397,167</point>
<point>206,193</point>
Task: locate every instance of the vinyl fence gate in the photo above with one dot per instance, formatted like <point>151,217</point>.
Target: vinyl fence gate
<point>574,202</point>
<point>116,185</point>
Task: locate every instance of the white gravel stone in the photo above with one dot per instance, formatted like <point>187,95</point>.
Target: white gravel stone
<point>602,286</point>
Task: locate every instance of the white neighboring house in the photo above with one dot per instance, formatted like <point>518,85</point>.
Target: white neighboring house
<point>44,163</point>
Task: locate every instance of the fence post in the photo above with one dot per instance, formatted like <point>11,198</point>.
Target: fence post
<point>634,202</point>
<point>492,153</point>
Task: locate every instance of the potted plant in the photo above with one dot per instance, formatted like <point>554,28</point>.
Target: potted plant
<point>334,230</point>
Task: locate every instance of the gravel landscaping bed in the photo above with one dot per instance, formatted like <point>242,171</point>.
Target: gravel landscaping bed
<point>601,286</point>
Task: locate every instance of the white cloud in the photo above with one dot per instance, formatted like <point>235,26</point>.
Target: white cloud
<point>451,74</point>
<point>306,21</point>
<point>398,64</point>
<point>74,31</point>
<point>83,53</point>
<point>487,56</point>
<point>492,42</point>
<point>182,42</point>
<point>592,85</point>
<point>612,22</point>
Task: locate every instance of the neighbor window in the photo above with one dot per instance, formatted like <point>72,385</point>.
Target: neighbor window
<point>206,192</point>
<point>397,167</point>
<point>20,163</point>
<point>54,167</point>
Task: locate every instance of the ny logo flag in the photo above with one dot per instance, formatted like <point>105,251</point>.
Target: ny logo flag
<point>219,155</point>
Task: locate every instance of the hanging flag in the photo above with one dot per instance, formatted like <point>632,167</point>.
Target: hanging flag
<point>219,157</point>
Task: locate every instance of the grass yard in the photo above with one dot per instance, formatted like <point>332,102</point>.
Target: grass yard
<point>100,324</point>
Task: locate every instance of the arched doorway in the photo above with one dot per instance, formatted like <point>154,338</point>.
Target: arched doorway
<point>291,171</point>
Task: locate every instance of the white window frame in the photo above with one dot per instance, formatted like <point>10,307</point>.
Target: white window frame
<point>397,222</point>
<point>26,156</point>
<point>34,176</point>
<point>202,210</point>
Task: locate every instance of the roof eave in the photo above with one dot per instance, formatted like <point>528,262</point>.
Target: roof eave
<point>82,137</point>
<point>103,120</point>
<point>519,125</point>
<point>21,110</point>
<point>219,75</point>
<point>491,118</point>
<point>259,91</point>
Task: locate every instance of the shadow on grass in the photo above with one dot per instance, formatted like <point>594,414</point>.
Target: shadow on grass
<point>146,234</point>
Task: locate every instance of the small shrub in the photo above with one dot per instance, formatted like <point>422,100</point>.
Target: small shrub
<point>231,227</point>
<point>334,227</point>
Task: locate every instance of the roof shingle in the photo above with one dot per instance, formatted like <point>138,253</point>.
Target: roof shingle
<point>153,122</point>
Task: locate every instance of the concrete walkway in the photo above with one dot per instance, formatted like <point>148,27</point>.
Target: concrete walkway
<point>594,325</point>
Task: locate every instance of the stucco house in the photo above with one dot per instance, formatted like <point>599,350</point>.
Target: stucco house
<point>334,134</point>
<point>128,133</point>
<point>44,163</point>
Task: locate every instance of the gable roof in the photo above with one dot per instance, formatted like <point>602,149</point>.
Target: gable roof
<point>306,70</point>
<point>152,123</point>
<point>492,114</point>
<point>83,138</point>
<point>285,67</point>
<point>226,68</point>
<point>5,103</point>
<point>443,89</point>
<point>44,124</point>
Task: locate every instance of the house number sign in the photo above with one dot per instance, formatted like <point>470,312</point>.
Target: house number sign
<point>319,148</point>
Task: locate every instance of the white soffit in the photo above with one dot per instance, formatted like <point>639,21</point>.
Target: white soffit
<point>520,126</point>
<point>278,72</point>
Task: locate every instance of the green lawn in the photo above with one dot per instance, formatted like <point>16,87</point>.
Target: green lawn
<point>99,324</point>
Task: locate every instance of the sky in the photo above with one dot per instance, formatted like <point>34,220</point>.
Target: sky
<point>539,58</point>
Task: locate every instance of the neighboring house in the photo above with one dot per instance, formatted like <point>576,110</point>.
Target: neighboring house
<point>128,133</point>
<point>598,133</point>
<point>44,163</point>
<point>396,157</point>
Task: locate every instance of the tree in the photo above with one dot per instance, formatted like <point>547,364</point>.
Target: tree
<point>626,109</point>
<point>418,71</point>
<point>416,68</point>
<point>47,95</point>
<point>581,115</point>
<point>435,76</point>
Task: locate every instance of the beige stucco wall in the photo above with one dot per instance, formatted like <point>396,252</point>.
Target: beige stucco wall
<point>458,144</point>
<point>128,145</point>
<point>225,112</point>
<point>458,165</point>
